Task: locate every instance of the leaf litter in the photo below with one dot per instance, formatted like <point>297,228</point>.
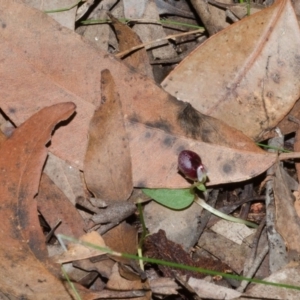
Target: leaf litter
<point>127,133</point>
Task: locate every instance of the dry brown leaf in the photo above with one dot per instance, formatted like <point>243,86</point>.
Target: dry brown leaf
<point>102,266</point>
<point>122,238</point>
<point>297,146</point>
<point>240,9</point>
<point>127,39</point>
<point>116,282</point>
<point>22,247</point>
<point>49,71</point>
<point>249,71</point>
<point>206,290</point>
<point>111,294</point>
<point>163,286</point>
<point>286,126</point>
<point>224,164</point>
<point>77,251</point>
<point>55,207</point>
<point>213,131</point>
<point>296,194</point>
<point>289,275</point>
<point>287,220</point>
<point>107,169</point>
<point>225,250</point>
<point>67,178</point>
<point>213,17</point>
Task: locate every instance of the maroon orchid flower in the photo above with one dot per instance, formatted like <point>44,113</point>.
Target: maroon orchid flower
<point>190,165</point>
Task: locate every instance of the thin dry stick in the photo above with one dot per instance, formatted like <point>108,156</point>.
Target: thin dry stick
<point>172,36</point>
<point>296,143</point>
<point>285,156</point>
<point>253,261</point>
<point>277,252</point>
<point>254,267</point>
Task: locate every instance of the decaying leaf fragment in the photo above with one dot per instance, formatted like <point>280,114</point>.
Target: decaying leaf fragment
<point>22,247</point>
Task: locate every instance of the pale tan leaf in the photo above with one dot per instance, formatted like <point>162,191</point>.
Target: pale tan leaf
<point>289,275</point>
<point>224,164</point>
<point>246,75</point>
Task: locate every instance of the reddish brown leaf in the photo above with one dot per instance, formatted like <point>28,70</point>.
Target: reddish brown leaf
<point>108,163</point>
<point>122,238</point>
<point>22,247</point>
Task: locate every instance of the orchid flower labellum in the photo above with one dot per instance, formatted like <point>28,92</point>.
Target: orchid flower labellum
<point>190,165</point>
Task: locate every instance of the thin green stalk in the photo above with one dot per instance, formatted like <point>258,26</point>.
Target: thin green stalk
<point>62,9</point>
<point>170,22</point>
<point>71,283</point>
<point>98,21</point>
<point>144,232</point>
<point>200,186</point>
<point>179,266</point>
<point>218,213</point>
<point>144,228</point>
<point>274,148</point>
<point>161,21</point>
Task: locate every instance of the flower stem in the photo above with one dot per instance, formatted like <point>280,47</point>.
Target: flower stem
<point>218,213</point>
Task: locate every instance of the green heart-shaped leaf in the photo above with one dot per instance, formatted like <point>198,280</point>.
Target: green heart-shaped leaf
<point>175,199</point>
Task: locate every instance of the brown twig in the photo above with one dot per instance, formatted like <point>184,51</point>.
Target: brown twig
<point>172,36</point>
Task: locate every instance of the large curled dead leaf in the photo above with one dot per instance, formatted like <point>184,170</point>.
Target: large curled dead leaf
<point>22,249</point>
<point>224,164</point>
<point>249,74</point>
<point>49,71</point>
